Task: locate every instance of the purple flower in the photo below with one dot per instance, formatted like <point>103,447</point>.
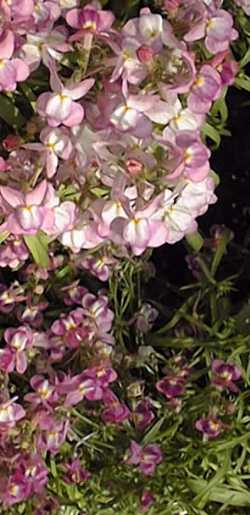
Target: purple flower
<point>19,341</point>
<point>52,433</point>
<point>143,415</point>
<point>96,308</point>
<point>17,489</point>
<point>224,375</point>
<point>90,384</point>
<point>76,473</point>
<point>146,501</point>
<point>45,393</point>
<point>171,386</point>
<point>34,471</point>
<point>115,412</point>
<point>10,413</point>
<point>71,328</point>
<point>210,426</point>
<point>147,458</point>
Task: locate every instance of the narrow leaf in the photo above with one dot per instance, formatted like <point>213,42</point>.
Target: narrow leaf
<point>38,246</point>
<point>10,113</point>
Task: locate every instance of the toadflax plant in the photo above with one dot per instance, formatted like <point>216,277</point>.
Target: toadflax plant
<point>108,404</point>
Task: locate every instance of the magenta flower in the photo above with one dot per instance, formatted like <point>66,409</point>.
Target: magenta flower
<point>14,356</point>
<point>10,413</point>
<point>143,415</point>
<point>97,310</point>
<point>10,296</point>
<point>147,458</point>
<point>60,107</point>
<point>224,374</point>
<point>171,386</point>
<point>205,90</point>
<point>115,412</point>
<point>210,426</point>
<point>147,497</point>
<point>71,328</point>
<point>52,434</point>
<point>17,489</point>
<point>75,473</point>
<point>13,253</point>
<point>90,384</point>
<point>45,393</point>
<point>35,473</point>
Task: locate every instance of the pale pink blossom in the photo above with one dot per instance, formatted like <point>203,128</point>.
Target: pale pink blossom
<point>60,107</point>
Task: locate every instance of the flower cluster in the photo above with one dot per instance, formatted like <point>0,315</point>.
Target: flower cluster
<point>115,159</point>
<point>111,161</point>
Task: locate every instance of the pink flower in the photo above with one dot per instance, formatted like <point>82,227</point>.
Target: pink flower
<point>224,375</point>
<point>96,308</point>
<point>91,385</point>
<point>75,473</point>
<point>193,157</point>
<point>28,212</point>
<point>226,66</point>
<point>72,327</point>
<point>205,90</point>
<point>171,386</point>
<point>143,415</point>
<point>89,20</point>
<point>245,5</point>
<point>151,30</point>
<point>10,413</point>
<point>98,266</point>
<point>17,489</point>
<point>60,107</point>
<point>45,393</point>
<point>56,144</point>
<point>12,70</point>
<point>210,426</point>
<point>219,31</point>
<point>52,433</point>
<point>19,341</point>
<point>114,412</point>
<point>13,253</point>
<point>147,498</point>
<point>147,458</point>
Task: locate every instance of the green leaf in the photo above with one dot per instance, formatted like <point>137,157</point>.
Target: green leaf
<point>215,177</point>
<point>222,494</point>
<point>220,251</point>
<point>210,132</point>
<point>195,241</point>
<point>220,108</point>
<point>9,112</point>
<point>38,246</point>
<point>243,82</point>
<point>246,59</point>
<point>4,236</point>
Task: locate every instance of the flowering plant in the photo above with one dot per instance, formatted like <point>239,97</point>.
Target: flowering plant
<point>108,127</point>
